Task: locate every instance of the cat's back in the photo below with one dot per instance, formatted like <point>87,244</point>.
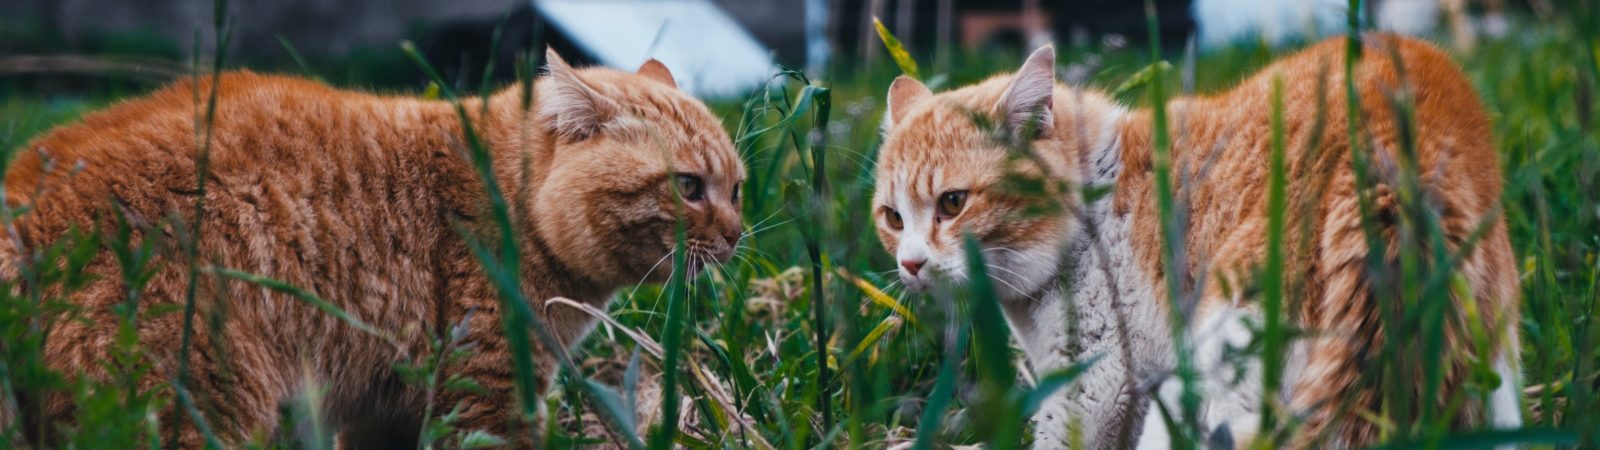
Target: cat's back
<point>298,171</point>
<point>1413,98</point>
<point>164,123</point>
<point>1415,104</point>
<point>296,136</point>
<point>1408,89</point>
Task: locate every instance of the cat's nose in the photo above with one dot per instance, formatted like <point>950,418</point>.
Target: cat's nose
<point>912,267</point>
<point>732,237</point>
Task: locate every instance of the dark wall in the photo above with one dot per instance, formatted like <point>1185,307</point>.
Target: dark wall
<point>315,27</point>
<point>1072,21</point>
<point>1091,20</point>
<point>456,34</point>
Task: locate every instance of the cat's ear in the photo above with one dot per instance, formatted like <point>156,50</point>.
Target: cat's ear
<point>904,93</point>
<point>1030,96</point>
<point>655,70</point>
<point>571,108</point>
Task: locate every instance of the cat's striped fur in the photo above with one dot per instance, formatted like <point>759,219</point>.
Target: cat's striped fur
<point>360,199</point>
<point>1087,279</point>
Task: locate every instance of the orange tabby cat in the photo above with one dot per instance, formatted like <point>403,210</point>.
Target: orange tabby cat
<point>1088,280</point>
<point>359,198</point>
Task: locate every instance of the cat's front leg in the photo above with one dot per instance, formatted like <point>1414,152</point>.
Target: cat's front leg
<point>1228,381</point>
<point>1093,413</point>
<point>495,408</point>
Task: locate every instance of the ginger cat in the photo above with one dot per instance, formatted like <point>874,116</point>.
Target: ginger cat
<point>359,198</point>
<point>1087,279</point>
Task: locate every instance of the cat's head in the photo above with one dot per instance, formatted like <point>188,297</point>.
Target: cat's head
<point>626,147</point>
<point>950,165</point>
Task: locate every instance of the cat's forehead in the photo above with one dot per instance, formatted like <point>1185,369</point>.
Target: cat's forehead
<point>715,161</point>
<point>922,172</point>
<point>941,144</point>
<point>682,123</point>
<point>957,143</point>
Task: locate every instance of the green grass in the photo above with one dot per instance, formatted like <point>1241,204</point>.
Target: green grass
<point>799,342</point>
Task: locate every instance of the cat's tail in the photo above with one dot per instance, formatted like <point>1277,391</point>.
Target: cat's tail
<point>10,426</point>
<point>10,419</point>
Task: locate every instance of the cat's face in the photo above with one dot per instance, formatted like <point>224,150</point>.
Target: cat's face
<point>941,174</point>
<point>628,147</point>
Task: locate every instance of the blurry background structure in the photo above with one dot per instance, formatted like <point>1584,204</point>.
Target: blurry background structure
<point>158,35</point>
<point>740,37</point>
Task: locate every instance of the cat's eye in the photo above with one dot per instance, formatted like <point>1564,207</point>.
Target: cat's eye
<point>950,203</point>
<point>736,187</point>
<point>691,187</point>
<point>892,217</point>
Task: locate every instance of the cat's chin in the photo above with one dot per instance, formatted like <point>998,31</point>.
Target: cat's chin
<point>916,285</point>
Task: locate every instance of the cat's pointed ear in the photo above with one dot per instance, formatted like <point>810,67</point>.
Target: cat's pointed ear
<point>571,108</point>
<point>655,70</point>
<point>1029,99</point>
<point>904,93</point>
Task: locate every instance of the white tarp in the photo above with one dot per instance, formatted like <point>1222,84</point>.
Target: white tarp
<point>709,54</point>
<point>1225,22</point>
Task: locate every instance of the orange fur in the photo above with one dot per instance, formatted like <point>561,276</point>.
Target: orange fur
<point>359,199</point>
<point>1220,171</point>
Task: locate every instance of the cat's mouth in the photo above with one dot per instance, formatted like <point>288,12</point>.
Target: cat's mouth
<point>916,285</point>
<point>920,283</point>
<point>932,277</point>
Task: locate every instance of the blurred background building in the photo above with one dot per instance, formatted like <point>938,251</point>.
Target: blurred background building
<point>725,45</point>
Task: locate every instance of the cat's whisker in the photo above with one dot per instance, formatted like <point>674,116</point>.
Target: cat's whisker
<point>768,227</point>
<point>656,310</point>
<point>764,254</point>
<point>1014,287</point>
<point>1013,272</point>
<point>737,256</point>
<point>858,154</point>
<point>889,288</point>
<point>759,225</point>
<point>648,272</point>
<point>859,160</point>
<point>764,220</point>
<point>727,278</point>
<point>725,282</point>
<point>880,274</point>
<point>1012,251</point>
<point>742,257</point>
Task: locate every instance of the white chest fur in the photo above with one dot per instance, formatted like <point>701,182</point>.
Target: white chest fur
<point>1104,307</point>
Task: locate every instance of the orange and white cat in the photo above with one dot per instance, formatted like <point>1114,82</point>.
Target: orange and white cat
<point>361,199</point>
<point>1087,278</point>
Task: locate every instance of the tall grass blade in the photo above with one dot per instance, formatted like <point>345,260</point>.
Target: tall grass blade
<point>944,387</point>
<point>879,297</point>
<point>1272,289</point>
<point>823,99</point>
<point>1172,242</point>
<point>304,297</point>
<point>203,139</point>
<point>300,61</point>
<point>672,346</point>
<point>902,58</point>
<point>991,339</point>
<point>884,326</point>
